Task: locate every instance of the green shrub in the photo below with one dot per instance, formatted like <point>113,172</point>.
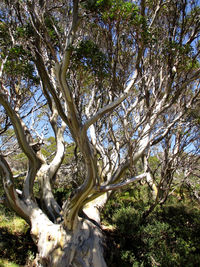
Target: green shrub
<point>126,220</point>
<point>170,236</point>
<point>158,238</point>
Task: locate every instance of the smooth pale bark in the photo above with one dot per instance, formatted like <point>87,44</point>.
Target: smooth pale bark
<point>58,247</point>
<point>93,208</point>
<point>152,185</point>
<point>47,200</point>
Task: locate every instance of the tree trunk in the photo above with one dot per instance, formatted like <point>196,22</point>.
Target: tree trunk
<point>58,247</point>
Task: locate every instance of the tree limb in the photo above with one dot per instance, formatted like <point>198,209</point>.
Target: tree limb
<point>122,184</point>
<point>110,107</point>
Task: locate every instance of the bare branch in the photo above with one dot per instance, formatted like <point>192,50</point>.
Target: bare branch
<point>11,193</point>
<point>110,107</point>
<point>158,7</point>
<point>122,184</point>
<point>60,149</point>
<point>19,130</point>
<point>167,129</point>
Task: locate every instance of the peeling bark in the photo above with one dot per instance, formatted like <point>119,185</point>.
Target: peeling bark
<point>58,247</point>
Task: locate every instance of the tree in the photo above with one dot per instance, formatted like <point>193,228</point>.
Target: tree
<point>113,77</point>
<point>174,165</point>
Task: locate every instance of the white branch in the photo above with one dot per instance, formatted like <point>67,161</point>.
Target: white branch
<point>155,141</point>
<point>2,66</point>
<point>122,184</point>
<point>156,13</point>
<point>110,107</point>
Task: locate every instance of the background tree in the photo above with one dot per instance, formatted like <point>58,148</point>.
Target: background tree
<point>113,77</point>
<point>175,163</point>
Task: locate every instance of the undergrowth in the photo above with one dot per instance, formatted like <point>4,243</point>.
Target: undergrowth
<point>170,236</point>
<point>16,246</point>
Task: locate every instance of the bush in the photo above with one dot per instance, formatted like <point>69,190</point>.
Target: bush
<point>126,220</point>
<point>169,237</point>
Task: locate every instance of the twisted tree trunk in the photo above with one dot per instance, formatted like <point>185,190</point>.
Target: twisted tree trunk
<point>58,247</point>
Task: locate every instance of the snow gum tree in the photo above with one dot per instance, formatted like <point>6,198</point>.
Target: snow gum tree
<point>113,77</point>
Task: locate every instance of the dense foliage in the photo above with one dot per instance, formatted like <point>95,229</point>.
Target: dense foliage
<point>170,236</point>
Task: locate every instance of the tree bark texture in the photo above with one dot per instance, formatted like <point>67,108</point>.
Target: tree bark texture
<point>58,247</point>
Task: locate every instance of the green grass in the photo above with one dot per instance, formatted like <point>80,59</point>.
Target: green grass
<point>13,223</point>
<point>16,245</point>
<point>6,263</point>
